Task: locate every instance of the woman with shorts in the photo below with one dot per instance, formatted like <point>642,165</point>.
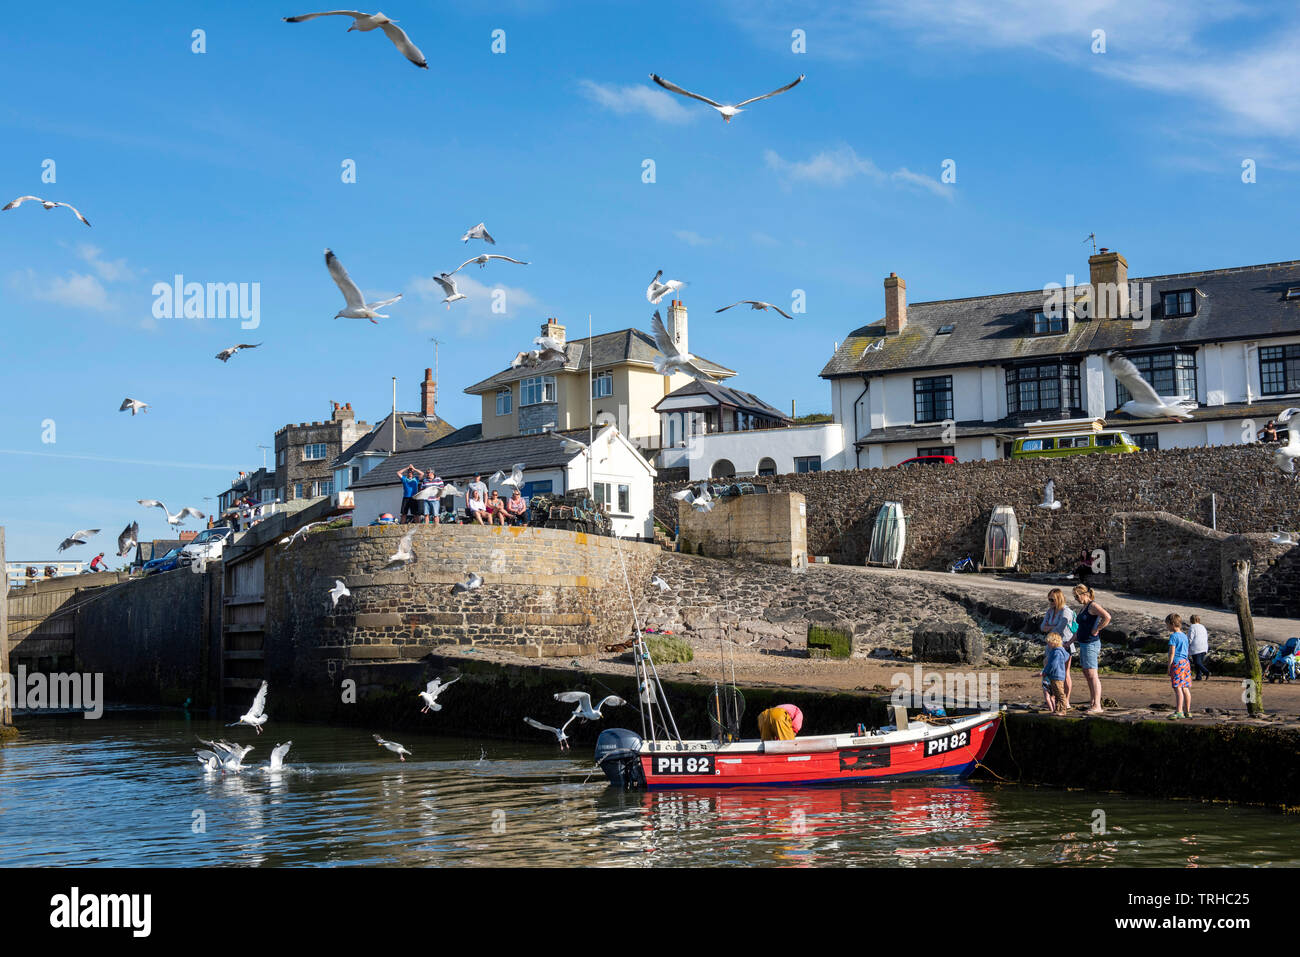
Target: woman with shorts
<point>1091,619</point>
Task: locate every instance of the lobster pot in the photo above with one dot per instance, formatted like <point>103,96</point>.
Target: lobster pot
<point>888,536</point>
<point>1002,540</point>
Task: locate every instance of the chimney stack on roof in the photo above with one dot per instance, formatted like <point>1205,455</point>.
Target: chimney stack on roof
<point>342,413</point>
<point>895,305</point>
<point>1108,273</point>
<point>554,330</point>
<point>677,327</point>
<point>428,394</point>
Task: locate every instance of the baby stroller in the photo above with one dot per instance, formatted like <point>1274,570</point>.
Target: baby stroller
<point>1282,666</point>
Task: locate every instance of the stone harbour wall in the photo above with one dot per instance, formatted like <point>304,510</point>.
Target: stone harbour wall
<point>948,507</point>
<point>766,528</point>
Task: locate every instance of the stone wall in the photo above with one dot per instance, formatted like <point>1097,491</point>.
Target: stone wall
<point>766,528</point>
<point>545,592</point>
<point>948,507</point>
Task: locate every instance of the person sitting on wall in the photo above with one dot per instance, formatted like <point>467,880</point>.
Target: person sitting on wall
<point>477,507</point>
<point>517,509</point>
<point>781,723</point>
<point>410,477</point>
<point>496,509</point>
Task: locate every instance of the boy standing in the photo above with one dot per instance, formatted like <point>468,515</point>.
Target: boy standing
<point>1054,675</point>
<point>1198,646</point>
<point>1180,672</point>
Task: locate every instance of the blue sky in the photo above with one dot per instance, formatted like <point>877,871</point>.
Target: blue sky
<point>225,166</point>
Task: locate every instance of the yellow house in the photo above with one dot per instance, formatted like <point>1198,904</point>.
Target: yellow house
<point>624,389</point>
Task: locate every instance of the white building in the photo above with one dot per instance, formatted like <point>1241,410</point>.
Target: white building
<point>615,471</point>
<point>799,448</point>
<point>962,377</point>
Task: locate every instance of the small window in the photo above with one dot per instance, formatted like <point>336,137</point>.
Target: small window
<point>279,458</point>
<point>1147,441</point>
<point>356,472</point>
<point>723,468</point>
<point>766,466</point>
<point>325,487</point>
<point>1046,324</point>
<point>945,329</point>
<point>537,390</point>
<point>297,490</point>
<point>536,488</point>
<point>935,450</point>
<point>1031,445</point>
<point>1175,305</point>
<point>807,463</point>
<point>624,499</point>
<point>1104,441</point>
<point>602,385</point>
<point>314,452</point>
<point>415,424</point>
<point>505,402</point>
<point>602,493</point>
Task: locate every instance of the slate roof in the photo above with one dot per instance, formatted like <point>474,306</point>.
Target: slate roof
<point>745,401</point>
<point>466,433</point>
<point>607,349</point>
<point>380,438</point>
<point>462,461</point>
<point>1246,302</point>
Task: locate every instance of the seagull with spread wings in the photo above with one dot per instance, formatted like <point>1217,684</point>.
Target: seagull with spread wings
<point>1284,457</point>
<point>672,360</point>
<point>549,348</point>
<point>756,304</point>
<point>338,591</point>
<point>431,691</point>
<point>484,259</point>
<point>77,538</point>
<point>1146,403</point>
<point>657,290</point>
<point>393,746</point>
<point>405,550</point>
<point>357,307</point>
<point>728,110</point>
<point>448,284</point>
<point>225,354</point>
<point>478,232</point>
<point>581,701</point>
<point>135,405</point>
<point>561,738</point>
<point>128,539</point>
<point>290,539</point>
<point>176,519</point>
<point>47,203</point>
<point>365,22</point>
<point>255,717</point>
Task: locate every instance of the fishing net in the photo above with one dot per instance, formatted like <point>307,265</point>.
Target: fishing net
<point>726,707</point>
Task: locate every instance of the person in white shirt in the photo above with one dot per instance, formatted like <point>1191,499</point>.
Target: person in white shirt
<point>1198,646</point>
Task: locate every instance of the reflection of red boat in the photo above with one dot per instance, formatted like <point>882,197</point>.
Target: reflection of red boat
<point>948,747</point>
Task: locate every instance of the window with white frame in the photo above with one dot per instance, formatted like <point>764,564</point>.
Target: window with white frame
<point>601,493</point>
<point>325,487</point>
<point>505,402</point>
<point>314,452</point>
<point>297,490</point>
<point>624,499</point>
<point>602,385</point>
<point>537,390</point>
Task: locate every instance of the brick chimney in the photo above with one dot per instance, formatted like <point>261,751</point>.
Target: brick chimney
<point>677,327</point>
<point>895,305</point>
<point>554,330</point>
<point>428,394</point>
<point>1108,274</point>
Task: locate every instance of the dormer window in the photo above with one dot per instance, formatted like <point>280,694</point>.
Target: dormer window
<point>1176,305</point>
<point>1047,324</point>
<point>945,330</point>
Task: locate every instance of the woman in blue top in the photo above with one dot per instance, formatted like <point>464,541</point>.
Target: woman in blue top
<point>1180,668</point>
<point>1092,618</point>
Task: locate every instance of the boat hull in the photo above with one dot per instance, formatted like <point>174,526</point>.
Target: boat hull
<point>947,750</point>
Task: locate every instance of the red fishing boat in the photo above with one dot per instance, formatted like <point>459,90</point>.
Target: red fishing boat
<point>921,747</point>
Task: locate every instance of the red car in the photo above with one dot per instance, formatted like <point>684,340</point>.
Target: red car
<point>928,460</point>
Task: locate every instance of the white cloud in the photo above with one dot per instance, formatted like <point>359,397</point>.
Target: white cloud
<point>905,175</point>
<point>692,238</point>
<point>114,271</point>
<point>625,100</point>
<point>761,238</point>
<point>828,168</point>
<point>474,310</point>
<point>74,290</point>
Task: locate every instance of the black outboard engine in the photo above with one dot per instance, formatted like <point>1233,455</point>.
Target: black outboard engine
<point>618,754</point>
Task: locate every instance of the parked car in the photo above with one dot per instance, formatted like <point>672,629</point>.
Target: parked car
<point>1074,443</point>
<point>208,545</point>
<point>928,460</point>
<point>169,562</point>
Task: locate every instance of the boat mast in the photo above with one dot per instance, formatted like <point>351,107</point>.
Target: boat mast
<point>646,690</point>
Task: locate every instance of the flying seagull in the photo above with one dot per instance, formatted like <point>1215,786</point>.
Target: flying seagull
<point>1049,496</point>
<point>757,304</point>
<point>484,259</point>
<point>657,290</point>
<point>176,519</point>
<point>357,307</point>
<point>582,704</point>
<point>703,502</point>
<point>672,360</point>
<point>433,491</point>
<point>225,354</point>
<point>135,405</point>
<point>255,717</point>
<point>47,203</point>
<point>405,552</point>
<point>875,346</point>
<point>338,591</point>
<point>77,538</point>
<point>728,110</point>
<point>478,232</point>
<point>369,21</point>
<point>474,581</point>
<point>660,584</point>
<point>1284,456</point>
<point>431,691</point>
<point>277,757</point>
<point>393,746</point>
<point>561,738</point>
<point>514,480</point>
<point>127,540</point>
<point>448,284</point>
<point>1145,402</point>
<point>290,539</point>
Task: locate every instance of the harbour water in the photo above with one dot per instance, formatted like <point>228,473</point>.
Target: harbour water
<point>127,791</point>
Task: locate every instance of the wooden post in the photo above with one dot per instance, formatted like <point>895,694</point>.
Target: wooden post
<point>1241,600</point>
<point>6,714</point>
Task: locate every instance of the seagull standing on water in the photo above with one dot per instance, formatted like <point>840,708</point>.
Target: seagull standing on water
<point>393,746</point>
<point>1146,403</point>
<point>357,307</point>
<point>478,232</point>
<point>338,591</point>
<point>560,737</point>
<point>583,708</point>
<point>77,538</point>
<point>176,519</point>
<point>431,691</point>
<point>277,757</point>
<point>728,110</point>
<point>756,304</point>
<point>1284,456</point>
<point>365,22</point>
<point>135,405</point>
<point>256,715</point>
<point>672,359</point>
<point>225,354</point>
<point>48,204</point>
<point>657,290</point>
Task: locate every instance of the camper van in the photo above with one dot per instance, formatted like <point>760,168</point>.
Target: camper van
<point>1070,437</point>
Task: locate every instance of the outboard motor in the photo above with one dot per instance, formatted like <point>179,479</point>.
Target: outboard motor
<point>618,754</point>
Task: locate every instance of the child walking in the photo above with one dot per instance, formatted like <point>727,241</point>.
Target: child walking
<point>1180,670</point>
<point>1054,665</point>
